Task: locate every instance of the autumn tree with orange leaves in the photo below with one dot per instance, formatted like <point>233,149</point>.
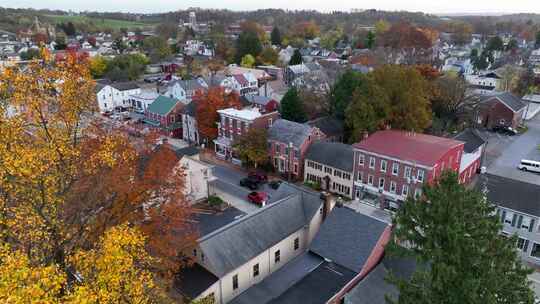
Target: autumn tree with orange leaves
<point>208,103</point>
<point>81,208</point>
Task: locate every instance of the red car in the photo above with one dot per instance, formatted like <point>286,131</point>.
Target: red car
<point>261,177</point>
<point>259,198</point>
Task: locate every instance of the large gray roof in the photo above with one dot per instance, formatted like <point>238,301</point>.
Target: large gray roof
<point>374,287</point>
<point>512,194</point>
<point>125,86</point>
<point>335,155</point>
<point>347,238</point>
<point>287,131</point>
<point>510,100</point>
<point>330,126</point>
<point>233,245</point>
<point>280,281</point>
<point>472,140</point>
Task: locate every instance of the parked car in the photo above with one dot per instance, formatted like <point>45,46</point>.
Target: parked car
<point>505,130</point>
<point>261,177</point>
<point>249,183</point>
<point>259,198</point>
<point>274,184</point>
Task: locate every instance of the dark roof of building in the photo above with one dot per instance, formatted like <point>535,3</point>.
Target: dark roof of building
<point>236,243</point>
<point>208,222</point>
<point>374,287</point>
<point>408,146</point>
<point>510,193</point>
<point>347,238</point>
<point>260,100</point>
<point>510,100</point>
<point>162,105</point>
<point>318,286</point>
<point>330,126</point>
<point>187,151</point>
<point>125,86</point>
<point>280,281</point>
<point>192,281</point>
<point>337,155</point>
<point>191,85</point>
<point>286,131</point>
<point>472,140</point>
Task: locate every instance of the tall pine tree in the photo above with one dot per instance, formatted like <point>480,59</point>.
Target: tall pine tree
<point>275,36</point>
<point>296,58</point>
<point>248,43</point>
<point>455,231</point>
<point>292,108</point>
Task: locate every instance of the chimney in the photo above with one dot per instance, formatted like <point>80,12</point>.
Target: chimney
<point>328,203</point>
<point>365,135</point>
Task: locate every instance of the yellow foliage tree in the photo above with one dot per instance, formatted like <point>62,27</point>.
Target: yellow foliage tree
<point>66,178</point>
<point>98,66</point>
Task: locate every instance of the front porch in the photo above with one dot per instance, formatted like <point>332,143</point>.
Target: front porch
<point>224,151</point>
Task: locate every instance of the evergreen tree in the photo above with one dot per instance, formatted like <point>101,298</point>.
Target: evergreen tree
<point>455,231</point>
<point>370,40</point>
<point>248,43</point>
<point>275,36</point>
<point>296,58</point>
<point>495,44</point>
<point>537,44</point>
<point>292,108</point>
<point>342,92</point>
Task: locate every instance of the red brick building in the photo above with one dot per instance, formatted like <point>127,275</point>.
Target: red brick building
<point>234,123</point>
<point>504,109</point>
<point>165,114</point>
<point>391,165</point>
<point>288,143</point>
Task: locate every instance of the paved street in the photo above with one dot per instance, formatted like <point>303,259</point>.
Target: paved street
<point>512,151</point>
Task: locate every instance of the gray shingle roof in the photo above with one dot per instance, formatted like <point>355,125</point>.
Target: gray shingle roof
<point>279,281</point>
<point>233,245</point>
<point>337,155</point>
<point>286,131</point>
<point>347,238</point>
<point>125,86</point>
<point>191,85</point>
<point>510,193</point>
<point>328,125</point>
<point>472,140</point>
<point>510,100</point>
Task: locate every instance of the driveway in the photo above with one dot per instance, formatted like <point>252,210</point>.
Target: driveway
<point>524,146</point>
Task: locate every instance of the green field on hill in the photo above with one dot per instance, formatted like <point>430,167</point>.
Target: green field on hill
<point>99,22</point>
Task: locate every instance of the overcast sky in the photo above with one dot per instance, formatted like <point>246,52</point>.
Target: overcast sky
<point>152,6</point>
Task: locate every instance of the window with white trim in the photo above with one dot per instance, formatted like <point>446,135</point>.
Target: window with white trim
<point>360,177</point>
<point>417,192</point>
<point>381,183</point>
<point>535,252</point>
<point>420,175</point>
<point>395,168</point>
<point>384,164</point>
<point>361,159</point>
<point>408,172</point>
<point>393,187</point>
<point>522,244</point>
<point>372,162</point>
<point>405,190</point>
<point>370,180</point>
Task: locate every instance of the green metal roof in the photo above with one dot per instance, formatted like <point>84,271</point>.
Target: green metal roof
<point>162,105</point>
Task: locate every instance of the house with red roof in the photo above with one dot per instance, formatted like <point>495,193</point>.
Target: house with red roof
<point>391,165</point>
<point>243,84</point>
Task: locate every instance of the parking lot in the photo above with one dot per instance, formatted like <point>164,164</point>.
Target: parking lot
<point>228,188</point>
<point>504,153</point>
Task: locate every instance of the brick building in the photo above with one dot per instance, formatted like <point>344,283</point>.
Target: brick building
<point>234,123</point>
<point>165,113</point>
<point>288,142</point>
<point>504,109</point>
<point>391,164</point>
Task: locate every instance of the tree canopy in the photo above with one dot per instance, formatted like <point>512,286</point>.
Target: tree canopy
<point>455,232</point>
<point>394,96</point>
<point>70,188</point>
<point>252,146</point>
<point>291,107</point>
<point>342,92</point>
<point>296,58</point>
<point>275,36</point>
<point>208,103</point>
<point>248,43</point>
<point>157,48</point>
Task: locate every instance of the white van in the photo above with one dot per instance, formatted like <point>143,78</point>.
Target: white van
<point>529,165</point>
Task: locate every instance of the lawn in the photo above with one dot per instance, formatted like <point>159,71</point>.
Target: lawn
<point>99,22</point>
